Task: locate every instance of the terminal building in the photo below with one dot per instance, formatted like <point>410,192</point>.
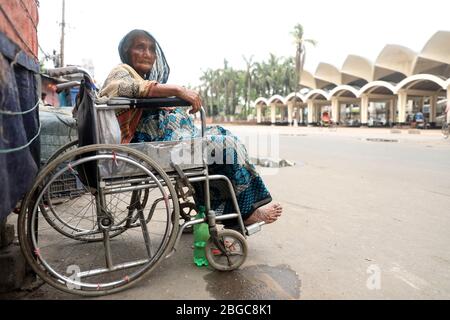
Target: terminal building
<point>390,91</point>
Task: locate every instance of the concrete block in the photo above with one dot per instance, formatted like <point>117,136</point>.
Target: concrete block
<point>12,266</point>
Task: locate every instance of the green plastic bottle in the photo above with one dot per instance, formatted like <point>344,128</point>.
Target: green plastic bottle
<point>201,236</point>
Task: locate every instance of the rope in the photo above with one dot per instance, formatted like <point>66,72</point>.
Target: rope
<point>4,151</point>
<point>10,113</point>
<point>11,150</point>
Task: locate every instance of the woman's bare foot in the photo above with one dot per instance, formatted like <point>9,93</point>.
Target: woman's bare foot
<point>268,214</point>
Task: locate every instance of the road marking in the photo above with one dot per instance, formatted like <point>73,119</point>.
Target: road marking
<point>409,278</point>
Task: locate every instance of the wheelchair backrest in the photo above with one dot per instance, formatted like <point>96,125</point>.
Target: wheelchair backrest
<point>86,123</point>
<point>85,114</point>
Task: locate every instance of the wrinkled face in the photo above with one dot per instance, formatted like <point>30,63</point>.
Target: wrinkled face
<point>142,54</point>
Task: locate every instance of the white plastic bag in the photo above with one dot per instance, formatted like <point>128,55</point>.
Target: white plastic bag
<point>109,128</point>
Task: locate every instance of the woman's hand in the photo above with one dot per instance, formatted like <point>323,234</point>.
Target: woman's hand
<point>170,90</point>
<point>193,98</point>
<point>168,108</point>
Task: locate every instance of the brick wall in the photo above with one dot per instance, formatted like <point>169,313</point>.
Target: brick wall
<point>19,20</point>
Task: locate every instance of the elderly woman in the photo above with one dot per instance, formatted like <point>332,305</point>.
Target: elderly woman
<point>144,73</point>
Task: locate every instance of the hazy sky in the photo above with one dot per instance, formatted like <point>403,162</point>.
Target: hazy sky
<point>198,34</point>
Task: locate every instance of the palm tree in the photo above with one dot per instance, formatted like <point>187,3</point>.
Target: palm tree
<point>248,81</point>
<point>300,55</point>
<point>225,89</point>
<point>289,76</point>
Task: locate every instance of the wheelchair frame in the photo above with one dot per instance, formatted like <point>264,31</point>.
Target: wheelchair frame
<point>104,228</point>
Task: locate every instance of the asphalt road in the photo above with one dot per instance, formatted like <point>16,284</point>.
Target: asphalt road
<point>363,219</point>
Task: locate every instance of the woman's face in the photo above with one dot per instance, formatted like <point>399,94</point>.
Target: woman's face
<point>142,54</point>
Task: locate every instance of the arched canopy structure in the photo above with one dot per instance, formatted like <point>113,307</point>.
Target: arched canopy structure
<point>327,76</point>
<point>294,97</point>
<point>344,91</point>
<point>438,48</point>
<point>261,101</point>
<point>377,87</point>
<point>307,80</point>
<point>435,56</point>
<point>426,82</point>
<point>357,71</point>
<point>394,63</point>
<point>317,94</point>
<point>397,73</point>
<point>276,99</point>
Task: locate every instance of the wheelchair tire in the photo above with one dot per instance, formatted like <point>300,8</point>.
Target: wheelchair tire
<point>65,148</point>
<point>50,208</point>
<point>97,268</point>
<point>236,251</point>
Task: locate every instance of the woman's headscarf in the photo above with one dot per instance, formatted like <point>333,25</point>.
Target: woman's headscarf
<point>160,71</point>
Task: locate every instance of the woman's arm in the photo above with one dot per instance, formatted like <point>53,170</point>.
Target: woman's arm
<point>169,90</point>
<point>123,81</point>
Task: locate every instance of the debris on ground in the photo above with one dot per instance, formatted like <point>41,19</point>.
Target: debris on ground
<point>272,162</point>
<point>381,140</point>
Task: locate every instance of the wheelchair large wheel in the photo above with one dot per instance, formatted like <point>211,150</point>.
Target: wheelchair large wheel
<point>232,254</point>
<point>56,198</point>
<point>114,178</point>
<point>62,150</point>
<point>56,194</point>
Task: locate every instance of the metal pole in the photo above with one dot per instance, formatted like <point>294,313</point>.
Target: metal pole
<point>63,26</point>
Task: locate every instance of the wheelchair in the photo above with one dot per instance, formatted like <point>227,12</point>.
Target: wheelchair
<point>133,204</point>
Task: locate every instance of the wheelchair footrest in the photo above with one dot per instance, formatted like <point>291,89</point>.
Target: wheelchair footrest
<point>254,228</point>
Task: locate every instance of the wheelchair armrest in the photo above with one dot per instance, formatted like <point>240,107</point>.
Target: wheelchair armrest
<point>156,103</point>
<point>148,102</point>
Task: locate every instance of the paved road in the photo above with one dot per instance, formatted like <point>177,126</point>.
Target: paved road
<point>364,219</point>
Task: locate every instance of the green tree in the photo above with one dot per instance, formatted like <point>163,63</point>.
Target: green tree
<point>225,89</point>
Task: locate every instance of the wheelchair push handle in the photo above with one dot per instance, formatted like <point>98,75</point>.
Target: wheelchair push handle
<point>67,85</point>
<point>59,72</point>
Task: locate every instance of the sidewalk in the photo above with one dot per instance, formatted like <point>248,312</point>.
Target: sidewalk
<point>400,135</point>
<point>347,130</point>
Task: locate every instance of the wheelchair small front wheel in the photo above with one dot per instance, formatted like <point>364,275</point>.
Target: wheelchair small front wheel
<point>233,254</point>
